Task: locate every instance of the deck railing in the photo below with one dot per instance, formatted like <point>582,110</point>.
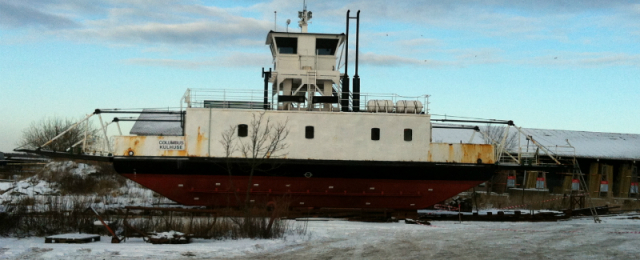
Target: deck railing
<point>254,99</point>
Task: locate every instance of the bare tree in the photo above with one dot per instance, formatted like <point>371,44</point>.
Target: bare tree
<point>265,140</point>
<point>40,132</point>
<point>228,142</point>
<point>494,134</point>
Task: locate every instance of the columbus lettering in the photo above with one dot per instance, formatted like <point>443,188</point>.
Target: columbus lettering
<point>171,145</point>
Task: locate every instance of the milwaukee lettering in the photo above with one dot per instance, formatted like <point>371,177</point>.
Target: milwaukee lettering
<point>171,145</point>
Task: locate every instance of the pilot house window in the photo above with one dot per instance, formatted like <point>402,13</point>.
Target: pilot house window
<point>287,45</point>
<point>243,130</point>
<point>326,46</point>
<point>375,134</point>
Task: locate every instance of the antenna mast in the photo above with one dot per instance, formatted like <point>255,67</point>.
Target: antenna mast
<point>304,16</point>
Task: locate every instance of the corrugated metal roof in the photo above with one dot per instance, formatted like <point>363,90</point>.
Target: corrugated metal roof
<point>467,136</point>
<point>614,146</point>
<point>157,128</point>
<point>597,145</point>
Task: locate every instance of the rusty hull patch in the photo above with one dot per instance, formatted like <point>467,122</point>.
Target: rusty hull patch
<point>128,144</point>
<point>461,153</point>
<point>145,146</point>
<point>200,141</point>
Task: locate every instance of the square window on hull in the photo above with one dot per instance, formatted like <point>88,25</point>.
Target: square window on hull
<point>408,134</point>
<point>308,132</point>
<point>375,134</point>
<point>243,130</point>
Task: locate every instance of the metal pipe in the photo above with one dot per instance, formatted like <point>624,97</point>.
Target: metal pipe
<point>356,77</point>
<point>346,42</point>
<point>357,39</point>
<point>84,141</point>
<point>344,102</point>
<point>454,127</point>
<point>119,130</point>
<point>266,75</point>
<point>146,120</point>
<point>100,111</point>
<point>474,121</point>
<point>104,130</point>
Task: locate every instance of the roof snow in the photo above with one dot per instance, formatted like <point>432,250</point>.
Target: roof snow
<point>595,145</point>
<point>157,128</point>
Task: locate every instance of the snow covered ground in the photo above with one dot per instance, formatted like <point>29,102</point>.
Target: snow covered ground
<point>131,194</point>
<point>615,238</point>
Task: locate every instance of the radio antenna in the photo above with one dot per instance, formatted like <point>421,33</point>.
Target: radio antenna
<point>304,16</point>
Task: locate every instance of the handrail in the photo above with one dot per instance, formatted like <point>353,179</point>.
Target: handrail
<point>201,97</point>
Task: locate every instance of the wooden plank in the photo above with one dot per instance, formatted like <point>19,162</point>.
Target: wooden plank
<point>594,179</point>
<point>566,184</point>
<point>608,170</point>
<point>531,179</point>
<point>624,183</point>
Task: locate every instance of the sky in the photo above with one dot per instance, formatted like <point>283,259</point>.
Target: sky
<point>558,64</point>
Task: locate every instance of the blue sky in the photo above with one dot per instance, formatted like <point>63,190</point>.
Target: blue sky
<point>544,64</point>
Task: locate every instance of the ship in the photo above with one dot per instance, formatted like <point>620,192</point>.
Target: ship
<point>307,138</point>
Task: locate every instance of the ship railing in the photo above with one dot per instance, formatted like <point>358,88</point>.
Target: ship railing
<point>222,98</point>
<point>254,99</point>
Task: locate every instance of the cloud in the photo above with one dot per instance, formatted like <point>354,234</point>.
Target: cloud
<point>232,60</point>
<point>201,33</point>
<point>170,25</point>
<point>17,16</point>
<point>372,59</point>
<point>419,42</point>
<point>464,58</point>
<point>586,60</point>
<point>543,19</point>
<point>173,23</point>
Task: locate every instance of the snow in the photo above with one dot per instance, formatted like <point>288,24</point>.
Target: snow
<point>131,194</point>
<point>99,223</point>
<point>70,166</point>
<point>615,238</point>
<point>5,186</point>
<point>169,235</point>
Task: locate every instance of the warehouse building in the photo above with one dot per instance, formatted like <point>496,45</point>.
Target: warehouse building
<point>609,161</point>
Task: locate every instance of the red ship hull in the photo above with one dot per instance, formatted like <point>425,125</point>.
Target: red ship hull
<point>225,191</point>
<point>304,183</point>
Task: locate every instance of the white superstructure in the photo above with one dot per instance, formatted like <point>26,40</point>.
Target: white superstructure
<point>305,94</point>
